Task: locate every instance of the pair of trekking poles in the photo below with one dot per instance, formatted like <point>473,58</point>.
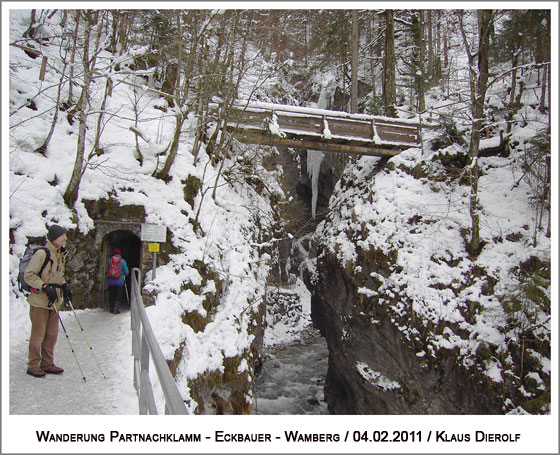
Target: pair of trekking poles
<point>84,335</point>
<point>85,338</point>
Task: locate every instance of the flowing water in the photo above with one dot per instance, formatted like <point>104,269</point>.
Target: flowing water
<point>292,378</point>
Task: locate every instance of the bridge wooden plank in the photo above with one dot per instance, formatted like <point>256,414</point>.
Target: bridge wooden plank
<point>304,124</point>
<point>256,137</point>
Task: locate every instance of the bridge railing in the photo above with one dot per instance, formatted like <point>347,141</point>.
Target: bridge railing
<point>320,129</point>
<point>144,347</point>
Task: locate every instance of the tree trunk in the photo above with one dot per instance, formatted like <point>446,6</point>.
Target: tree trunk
<point>371,40</point>
<point>546,75</point>
<point>430,47</point>
<point>99,128</point>
<point>481,84</point>
<point>71,193</point>
<point>179,50</point>
<point>511,106</point>
<point>421,78</point>
<point>30,31</point>
<point>173,147</point>
<point>446,45</point>
<point>389,83</point>
<point>73,58</point>
<point>43,148</point>
<point>355,42</point>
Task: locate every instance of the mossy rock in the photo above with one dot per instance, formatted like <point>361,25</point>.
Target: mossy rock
<point>223,393</point>
<point>211,301</point>
<point>177,356</point>
<point>191,188</point>
<point>110,210</point>
<point>483,352</point>
<point>537,405</point>
<point>195,320</point>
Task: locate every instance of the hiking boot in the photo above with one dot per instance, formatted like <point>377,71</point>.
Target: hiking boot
<point>117,311</point>
<point>52,369</point>
<point>36,371</point>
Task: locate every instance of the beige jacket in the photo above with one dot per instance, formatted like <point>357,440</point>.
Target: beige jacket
<point>53,273</point>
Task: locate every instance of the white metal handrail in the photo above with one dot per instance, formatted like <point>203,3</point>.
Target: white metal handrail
<point>144,345</point>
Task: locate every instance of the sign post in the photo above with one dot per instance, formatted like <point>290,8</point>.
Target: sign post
<point>154,234</point>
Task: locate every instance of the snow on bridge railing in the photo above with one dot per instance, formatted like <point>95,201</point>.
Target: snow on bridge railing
<point>144,344</point>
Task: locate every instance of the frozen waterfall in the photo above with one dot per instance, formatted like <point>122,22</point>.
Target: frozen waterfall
<point>315,157</point>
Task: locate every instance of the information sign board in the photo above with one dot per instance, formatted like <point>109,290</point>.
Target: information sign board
<point>154,233</point>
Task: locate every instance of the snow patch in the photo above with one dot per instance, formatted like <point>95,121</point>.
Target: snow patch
<point>376,379</point>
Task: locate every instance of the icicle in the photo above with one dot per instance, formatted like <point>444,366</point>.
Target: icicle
<point>314,157</point>
<point>314,160</point>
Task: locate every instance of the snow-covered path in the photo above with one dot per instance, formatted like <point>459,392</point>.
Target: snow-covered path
<point>110,338</point>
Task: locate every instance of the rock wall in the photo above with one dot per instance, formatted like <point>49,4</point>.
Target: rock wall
<point>372,368</point>
<point>415,324</point>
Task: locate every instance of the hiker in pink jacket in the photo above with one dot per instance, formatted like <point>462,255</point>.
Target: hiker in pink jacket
<point>117,269</point>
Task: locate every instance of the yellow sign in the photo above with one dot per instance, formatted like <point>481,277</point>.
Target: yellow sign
<point>153,247</point>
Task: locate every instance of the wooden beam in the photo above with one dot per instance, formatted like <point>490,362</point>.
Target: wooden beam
<point>43,69</point>
<point>324,146</point>
<point>27,49</point>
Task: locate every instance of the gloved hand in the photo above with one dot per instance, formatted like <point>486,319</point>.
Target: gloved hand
<point>51,293</point>
<point>66,292</point>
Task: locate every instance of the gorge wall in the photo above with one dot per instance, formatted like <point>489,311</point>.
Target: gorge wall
<point>414,323</point>
<point>372,368</point>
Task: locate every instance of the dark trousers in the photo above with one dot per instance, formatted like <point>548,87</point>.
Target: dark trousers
<point>115,296</point>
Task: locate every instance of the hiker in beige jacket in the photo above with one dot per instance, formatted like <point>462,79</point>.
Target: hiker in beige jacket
<point>50,291</point>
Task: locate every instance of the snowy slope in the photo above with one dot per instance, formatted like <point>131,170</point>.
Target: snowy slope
<point>226,241</point>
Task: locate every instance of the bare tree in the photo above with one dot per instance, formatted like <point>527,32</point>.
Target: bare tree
<point>198,23</point>
<point>43,147</point>
<point>92,19</point>
<point>478,76</point>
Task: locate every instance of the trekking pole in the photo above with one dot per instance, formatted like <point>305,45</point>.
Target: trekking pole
<point>70,344</point>
<point>126,290</point>
<point>86,340</point>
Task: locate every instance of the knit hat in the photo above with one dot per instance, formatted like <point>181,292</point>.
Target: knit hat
<point>55,231</point>
<point>116,251</point>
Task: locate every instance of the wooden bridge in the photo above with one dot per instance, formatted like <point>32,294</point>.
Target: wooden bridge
<point>324,130</point>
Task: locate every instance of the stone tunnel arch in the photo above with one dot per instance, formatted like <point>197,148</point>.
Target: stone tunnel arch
<point>130,246</point>
<point>126,237</point>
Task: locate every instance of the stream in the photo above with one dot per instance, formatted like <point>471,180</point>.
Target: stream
<point>292,377</point>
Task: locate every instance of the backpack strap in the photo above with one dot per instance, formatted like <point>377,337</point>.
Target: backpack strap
<point>47,259</point>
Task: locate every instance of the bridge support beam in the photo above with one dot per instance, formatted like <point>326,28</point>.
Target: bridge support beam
<point>354,149</point>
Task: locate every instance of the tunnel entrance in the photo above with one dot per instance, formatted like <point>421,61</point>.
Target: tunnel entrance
<point>131,251</point>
